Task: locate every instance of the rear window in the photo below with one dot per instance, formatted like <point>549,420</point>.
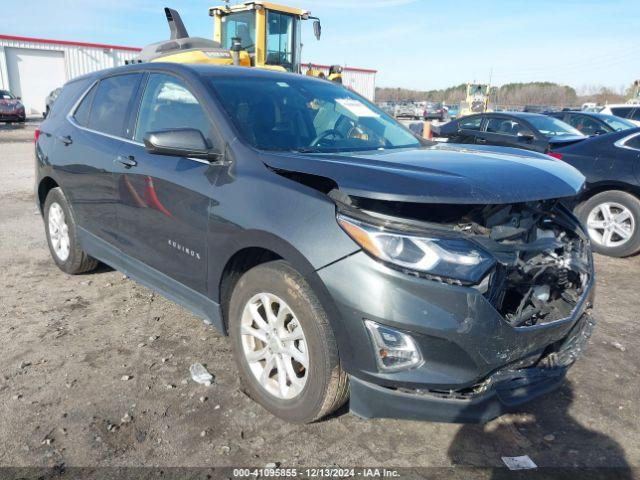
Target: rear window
<point>634,142</point>
<point>68,96</point>
<point>552,127</point>
<point>621,111</point>
<point>111,103</point>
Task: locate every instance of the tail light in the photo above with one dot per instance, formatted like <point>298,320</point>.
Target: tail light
<point>36,135</point>
<point>556,155</point>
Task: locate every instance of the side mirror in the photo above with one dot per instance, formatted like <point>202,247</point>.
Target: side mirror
<point>599,132</point>
<point>526,136</point>
<point>18,98</point>
<point>179,142</point>
<point>317,29</point>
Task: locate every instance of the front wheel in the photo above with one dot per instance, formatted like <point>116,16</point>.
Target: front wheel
<point>611,218</point>
<point>284,346</point>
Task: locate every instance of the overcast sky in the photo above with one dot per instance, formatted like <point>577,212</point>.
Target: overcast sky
<point>420,44</point>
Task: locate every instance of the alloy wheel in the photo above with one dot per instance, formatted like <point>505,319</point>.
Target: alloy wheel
<point>610,224</point>
<point>59,232</point>
<point>274,346</point>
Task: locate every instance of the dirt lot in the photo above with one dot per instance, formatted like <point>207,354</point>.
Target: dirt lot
<point>94,371</point>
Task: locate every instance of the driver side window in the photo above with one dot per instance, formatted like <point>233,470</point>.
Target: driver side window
<point>167,103</point>
<point>471,123</point>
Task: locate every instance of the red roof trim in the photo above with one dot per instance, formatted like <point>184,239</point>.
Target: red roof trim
<point>68,42</point>
<point>353,69</point>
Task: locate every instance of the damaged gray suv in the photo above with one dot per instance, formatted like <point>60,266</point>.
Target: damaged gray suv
<point>346,258</point>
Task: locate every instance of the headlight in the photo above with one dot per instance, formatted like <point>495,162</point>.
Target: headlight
<point>455,258</point>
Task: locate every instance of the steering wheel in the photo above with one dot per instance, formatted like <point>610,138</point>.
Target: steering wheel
<point>325,134</point>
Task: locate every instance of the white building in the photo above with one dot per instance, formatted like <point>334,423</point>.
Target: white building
<point>32,67</point>
<point>360,80</point>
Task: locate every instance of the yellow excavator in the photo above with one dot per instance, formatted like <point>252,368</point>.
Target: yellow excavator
<point>251,34</point>
<point>476,100</point>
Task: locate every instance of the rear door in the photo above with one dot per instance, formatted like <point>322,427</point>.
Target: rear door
<point>508,132</point>
<point>164,201</point>
<point>586,124</point>
<point>87,146</point>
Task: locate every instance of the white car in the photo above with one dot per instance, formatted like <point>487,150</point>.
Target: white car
<point>630,111</point>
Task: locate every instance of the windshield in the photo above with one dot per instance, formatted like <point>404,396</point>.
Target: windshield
<point>617,123</point>
<point>307,115</point>
<point>6,95</point>
<point>552,127</point>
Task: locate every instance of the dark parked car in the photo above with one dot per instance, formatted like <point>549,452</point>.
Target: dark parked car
<point>531,131</point>
<point>591,123</point>
<point>434,111</point>
<point>340,252</point>
<point>609,206</point>
<point>11,108</point>
<point>53,95</point>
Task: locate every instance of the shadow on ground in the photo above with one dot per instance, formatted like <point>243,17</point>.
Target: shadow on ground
<point>587,453</point>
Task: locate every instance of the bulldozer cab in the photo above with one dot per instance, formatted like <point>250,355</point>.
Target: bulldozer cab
<point>270,33</point>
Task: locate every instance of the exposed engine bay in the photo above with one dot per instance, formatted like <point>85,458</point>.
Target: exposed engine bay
<point>543,261</point>
<point>543,258</point>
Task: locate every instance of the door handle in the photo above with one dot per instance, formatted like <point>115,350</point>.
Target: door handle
<point>481,140</point>
<point>65,139</point>
<point>128,161</point>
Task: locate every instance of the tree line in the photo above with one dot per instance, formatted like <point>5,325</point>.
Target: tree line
<point>530,93</point>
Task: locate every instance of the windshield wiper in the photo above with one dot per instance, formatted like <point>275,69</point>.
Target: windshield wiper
<point>305,150</point>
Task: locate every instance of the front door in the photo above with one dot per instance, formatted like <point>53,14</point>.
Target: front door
<point>468,129</point>
<point>164,201</point>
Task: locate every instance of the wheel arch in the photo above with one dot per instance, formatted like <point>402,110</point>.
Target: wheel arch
<point>260,247</point>
<point>45,185</point>
<point>600,187</point>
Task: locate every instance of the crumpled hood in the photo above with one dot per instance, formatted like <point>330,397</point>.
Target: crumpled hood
<point>440,174</point>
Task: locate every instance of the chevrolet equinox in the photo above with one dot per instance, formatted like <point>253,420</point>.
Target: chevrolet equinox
<point>344,257</point>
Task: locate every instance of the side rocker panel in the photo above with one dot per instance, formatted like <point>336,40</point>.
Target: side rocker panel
<point>151,278</point>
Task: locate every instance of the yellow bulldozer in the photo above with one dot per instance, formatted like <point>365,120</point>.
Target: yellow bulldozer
<point>476,99</point>
<point>251,34</point>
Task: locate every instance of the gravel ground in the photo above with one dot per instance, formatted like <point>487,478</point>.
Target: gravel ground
<point>94,371</point>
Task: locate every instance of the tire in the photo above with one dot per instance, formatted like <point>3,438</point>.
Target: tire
<point>620,205</point>
<point>325,383</point>
<point>57,212</point>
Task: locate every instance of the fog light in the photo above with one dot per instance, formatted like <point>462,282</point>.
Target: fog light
<point>394,350</point>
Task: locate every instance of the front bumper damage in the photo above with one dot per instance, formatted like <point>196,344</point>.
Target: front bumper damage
<point>499,393</point>
<point>487,347</point>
